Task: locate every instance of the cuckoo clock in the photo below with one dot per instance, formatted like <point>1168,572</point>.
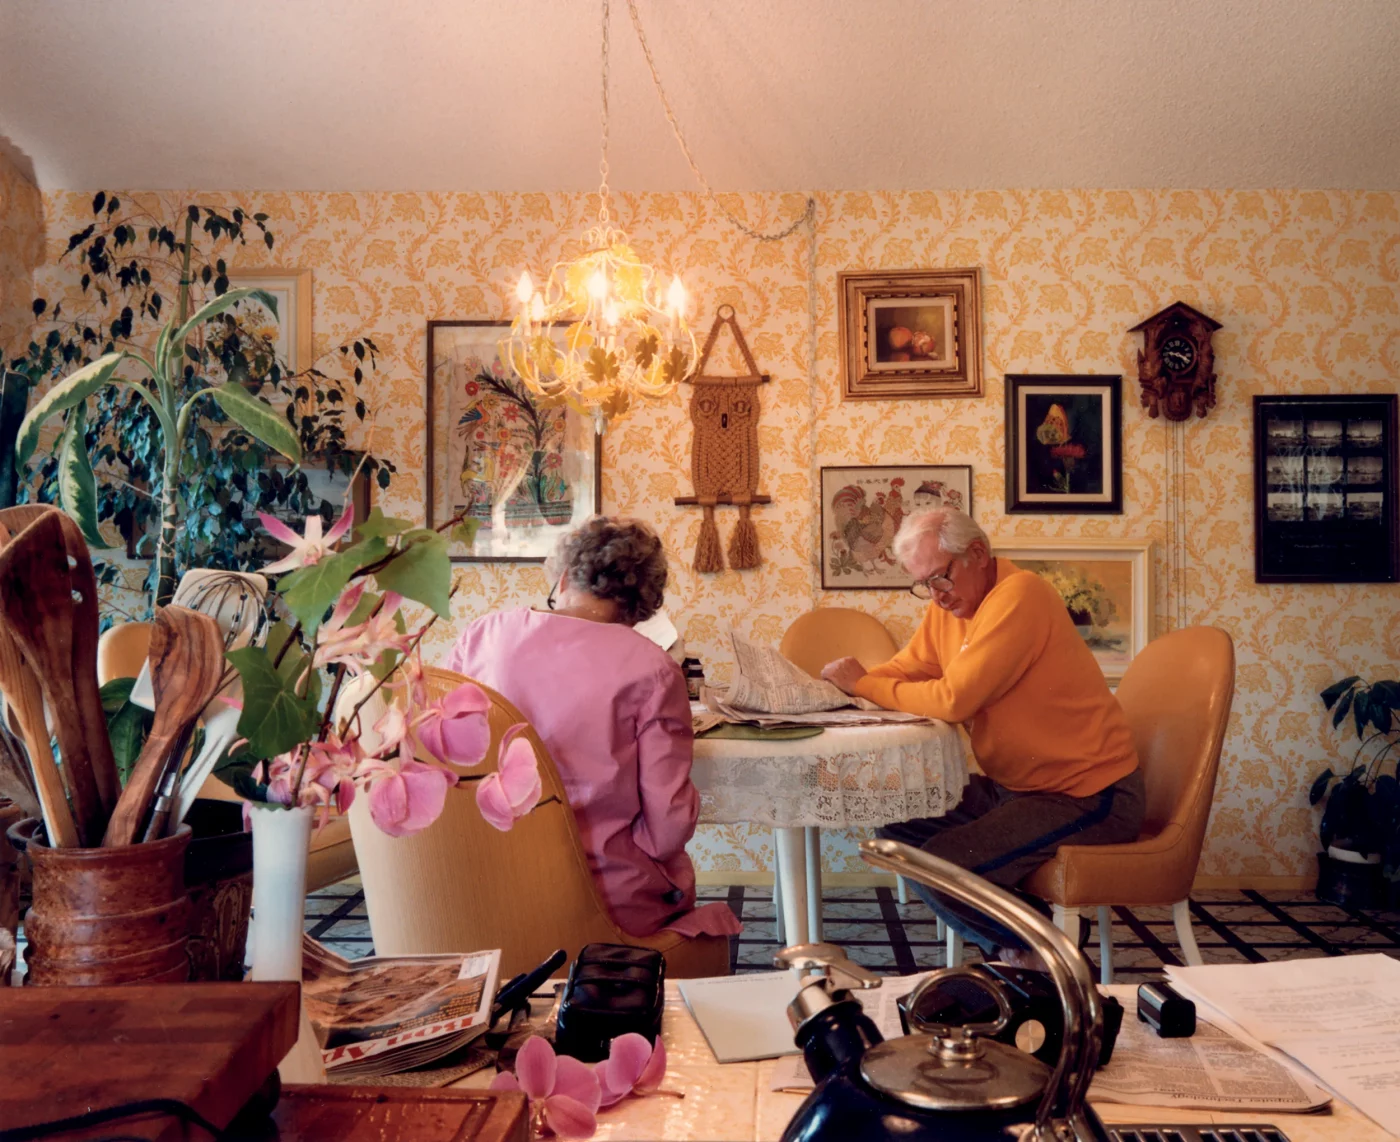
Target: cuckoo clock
<point>1176,366</point>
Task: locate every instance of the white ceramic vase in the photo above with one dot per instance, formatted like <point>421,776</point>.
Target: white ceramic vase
<point>281,838</point>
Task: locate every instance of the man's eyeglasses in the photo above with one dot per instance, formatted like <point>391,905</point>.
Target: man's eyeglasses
<point>927,588</point>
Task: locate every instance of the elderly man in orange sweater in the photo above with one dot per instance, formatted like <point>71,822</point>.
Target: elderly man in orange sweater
<point>997,651</point>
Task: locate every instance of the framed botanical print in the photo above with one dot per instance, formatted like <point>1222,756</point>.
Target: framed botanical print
<point>525,472</point>
<point>1325,489</point>
<point>862,508</point>
<point>1106,586</point>
<point>1064,444</point>
<point>910,333</point>
<point>292,341</point>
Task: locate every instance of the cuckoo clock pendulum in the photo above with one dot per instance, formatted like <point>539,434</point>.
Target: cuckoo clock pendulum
<point>724,454</point>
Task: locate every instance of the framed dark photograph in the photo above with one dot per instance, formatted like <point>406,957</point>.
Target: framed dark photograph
<point>862,508</point>
<point>1064,444</point>
<point>1325,489</point>
<point>910,333</point>
<point>525,472</point>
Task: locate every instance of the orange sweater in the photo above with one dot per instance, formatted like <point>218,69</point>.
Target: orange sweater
<point>1041,716</point>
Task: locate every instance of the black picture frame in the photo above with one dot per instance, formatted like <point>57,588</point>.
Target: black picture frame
<point>451,345</point>
<point>1325,484</point>
<point>1064,444</point>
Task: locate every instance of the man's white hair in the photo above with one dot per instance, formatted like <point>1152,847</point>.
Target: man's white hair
<point>955,530</point>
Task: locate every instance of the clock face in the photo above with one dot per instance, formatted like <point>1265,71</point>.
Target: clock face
<point>1178,354</point>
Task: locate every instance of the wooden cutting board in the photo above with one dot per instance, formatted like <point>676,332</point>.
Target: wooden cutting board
<point>404,1114</point>
<point>68,1050</point>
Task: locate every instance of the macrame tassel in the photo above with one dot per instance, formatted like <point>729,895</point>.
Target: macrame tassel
<point>743,544</point>
<point>708,554</point>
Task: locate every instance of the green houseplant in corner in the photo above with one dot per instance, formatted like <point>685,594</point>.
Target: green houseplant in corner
<point>1360,828</point>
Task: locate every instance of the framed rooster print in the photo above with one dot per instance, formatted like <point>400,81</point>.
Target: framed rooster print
<point>526,473</point>
<point>862,509</point>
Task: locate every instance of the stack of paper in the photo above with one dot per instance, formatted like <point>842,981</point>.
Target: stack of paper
<point>1339,1017</point>
<point>743,1017</point>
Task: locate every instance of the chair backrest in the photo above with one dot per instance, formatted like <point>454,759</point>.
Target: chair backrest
<point>827,633</point>
<point>461,885</point>
<point>1177,694</point>
<point>122,650</point>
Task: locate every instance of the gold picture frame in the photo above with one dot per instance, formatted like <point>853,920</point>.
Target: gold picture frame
<point>292,289</point>
<point>1114,578</point>
<point>910,334</point>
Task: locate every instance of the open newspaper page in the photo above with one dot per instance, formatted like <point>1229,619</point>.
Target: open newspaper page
<point>385,1014</point>
<point>768,689</point>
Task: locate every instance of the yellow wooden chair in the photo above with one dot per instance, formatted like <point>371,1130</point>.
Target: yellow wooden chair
<point>461,885</point>
<point>828,633</point>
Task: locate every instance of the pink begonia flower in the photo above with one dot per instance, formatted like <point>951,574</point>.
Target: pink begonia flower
<point>359,647</point>
<point>309,549</point>
<point>333,764</point>
<point>455,728</point>
<point>514,789</point>
<point>633,1066</point>
<point>407,797</point>
<point>564,1093</point>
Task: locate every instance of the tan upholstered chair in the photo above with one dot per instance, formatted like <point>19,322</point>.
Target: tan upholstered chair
<point>1176,694</point>
<point>120,652</point>
<point>827,633</point>
<point>461,885</point>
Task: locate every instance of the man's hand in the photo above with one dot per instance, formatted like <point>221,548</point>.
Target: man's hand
<point>844,673</point>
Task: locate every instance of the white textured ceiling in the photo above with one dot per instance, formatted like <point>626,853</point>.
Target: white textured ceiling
<point>772,94</point>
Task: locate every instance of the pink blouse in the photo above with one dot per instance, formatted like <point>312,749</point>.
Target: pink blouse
<point>612,708</point>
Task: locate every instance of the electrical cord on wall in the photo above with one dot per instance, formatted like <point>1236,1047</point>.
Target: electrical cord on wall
<point>170,1107</point>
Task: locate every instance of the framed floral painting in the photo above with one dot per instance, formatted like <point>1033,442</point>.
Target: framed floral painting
<point>527,473</point>
<point>1107,588</point>
<point>862,509</point>
<point>1064,444</point>
<point>290,331</point>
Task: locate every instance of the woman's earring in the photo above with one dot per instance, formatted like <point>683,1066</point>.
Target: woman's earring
<point>549,602</point>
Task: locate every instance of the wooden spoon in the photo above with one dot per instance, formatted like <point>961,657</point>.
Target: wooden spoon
<point>36,601</point>
<point>26,701</point>
<point>187,666</point>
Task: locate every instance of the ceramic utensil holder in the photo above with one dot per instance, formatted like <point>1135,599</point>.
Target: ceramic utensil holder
<point>107,915</point>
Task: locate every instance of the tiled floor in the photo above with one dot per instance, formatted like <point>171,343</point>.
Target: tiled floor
<point>884,935</point>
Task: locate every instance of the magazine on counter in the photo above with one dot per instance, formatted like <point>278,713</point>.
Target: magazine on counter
<point>385,1014</point>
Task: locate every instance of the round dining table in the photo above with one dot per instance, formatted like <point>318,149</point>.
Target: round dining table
<point>844,777</point>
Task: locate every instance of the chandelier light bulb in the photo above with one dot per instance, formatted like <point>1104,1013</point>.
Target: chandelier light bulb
<point>537,308</point>
<point>598,285</point>
<point>675,295</point>
<point>524,288</point>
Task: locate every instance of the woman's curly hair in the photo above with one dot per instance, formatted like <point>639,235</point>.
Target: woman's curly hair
<point>618,559</point>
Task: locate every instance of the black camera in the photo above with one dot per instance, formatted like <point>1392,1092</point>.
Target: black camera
<point>1037,1019</point>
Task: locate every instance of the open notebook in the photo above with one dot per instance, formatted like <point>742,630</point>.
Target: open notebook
<point>743,1017</point>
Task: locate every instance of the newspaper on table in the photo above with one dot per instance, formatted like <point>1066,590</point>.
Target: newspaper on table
<point>769,690</point>
<point>385,1014</point>
<point>1338,1016</point>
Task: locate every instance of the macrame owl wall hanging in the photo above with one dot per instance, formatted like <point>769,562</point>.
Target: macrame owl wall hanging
<point>724,455</point>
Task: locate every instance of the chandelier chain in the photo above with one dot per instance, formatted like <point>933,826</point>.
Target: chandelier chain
<point>776,236</point>
<point>603,213</point>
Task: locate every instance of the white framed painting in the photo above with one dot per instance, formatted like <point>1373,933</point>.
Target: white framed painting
<point>1107,588</point>
<point>292,290</point>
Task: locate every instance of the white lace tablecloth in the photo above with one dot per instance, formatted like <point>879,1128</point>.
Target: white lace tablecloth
<point>845,776</point>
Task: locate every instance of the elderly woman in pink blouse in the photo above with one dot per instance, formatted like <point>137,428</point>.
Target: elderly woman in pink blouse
<point>612,708</point>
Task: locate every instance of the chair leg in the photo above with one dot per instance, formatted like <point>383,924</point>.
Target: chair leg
<point>940,929</point>
<point>1105,946</point>
<point>902,890</point>
<point>779,932</point>
<point>1067,920</point>
<point>955,949</point>
<point>1181,914</point>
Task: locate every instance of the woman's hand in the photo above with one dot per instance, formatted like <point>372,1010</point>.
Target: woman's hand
<point>844,673</point>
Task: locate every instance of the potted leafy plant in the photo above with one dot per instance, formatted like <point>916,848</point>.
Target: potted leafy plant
<point>1360,828</point>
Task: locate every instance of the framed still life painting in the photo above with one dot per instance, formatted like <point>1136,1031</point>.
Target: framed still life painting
<point>1064,444</point>
<point>1325,489</point>
<point>524,472</point>
<point>862,508</point>
<point>910,333</point>
<point>1107,588</point>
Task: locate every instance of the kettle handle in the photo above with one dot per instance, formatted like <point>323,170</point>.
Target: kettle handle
<point>928,1027</point>
<point>1083,1013</point>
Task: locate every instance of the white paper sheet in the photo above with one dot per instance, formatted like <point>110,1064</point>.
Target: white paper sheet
<point>744,1017</point>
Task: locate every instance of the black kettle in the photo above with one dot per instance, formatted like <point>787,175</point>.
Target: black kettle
<point>953,1084</point>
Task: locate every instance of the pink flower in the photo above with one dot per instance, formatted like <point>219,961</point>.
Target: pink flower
<point>455,728</point>
<point>359,647</point>
<point>310,548</point>
<point>408,797</point>
<point>633,1066</point>
<point>514,789</point>
<point>564,1093</point>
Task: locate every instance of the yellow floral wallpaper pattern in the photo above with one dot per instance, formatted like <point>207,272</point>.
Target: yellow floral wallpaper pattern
<point>1305,283</point>
<point>21,249</point>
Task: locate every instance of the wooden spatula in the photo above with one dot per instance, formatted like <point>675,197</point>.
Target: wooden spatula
<point>187,665</point>
<point>37,604</point>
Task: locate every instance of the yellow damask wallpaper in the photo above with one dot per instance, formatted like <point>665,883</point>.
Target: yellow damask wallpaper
<point>1306,285</point>
<point>21,249</point>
